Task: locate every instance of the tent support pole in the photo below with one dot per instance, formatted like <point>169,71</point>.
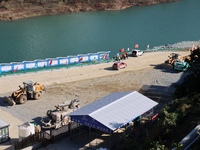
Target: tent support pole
<point>110,140</point>
<point>70,131</point>
<point>89,135</point>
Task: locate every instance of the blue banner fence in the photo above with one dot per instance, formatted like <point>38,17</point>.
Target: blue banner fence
<point>54,63</point>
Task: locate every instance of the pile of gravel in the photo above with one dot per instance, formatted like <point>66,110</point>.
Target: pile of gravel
<point>176,46</point>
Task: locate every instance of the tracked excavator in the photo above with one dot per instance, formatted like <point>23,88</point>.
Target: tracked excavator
<point>31,90</point>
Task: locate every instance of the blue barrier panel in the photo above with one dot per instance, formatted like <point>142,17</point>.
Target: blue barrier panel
<point>104,55</point>
<point>48,62</point>
<point>52,62</point>
<point>73,59</point>
<point>63,60</point>
<point>29,65</point>
<point>17,66</point>
<point>93,56</point>
<point>41,63</point>
<point>6,67</point>
<point>83,57</point>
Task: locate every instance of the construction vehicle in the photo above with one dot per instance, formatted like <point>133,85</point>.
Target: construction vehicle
<point>29,91</point>
<point>173,57</point>
<point>178,62</point>
<point>181,65</point>
<point>60,116</point>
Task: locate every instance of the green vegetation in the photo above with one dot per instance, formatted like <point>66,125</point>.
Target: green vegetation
<point>176,119</point>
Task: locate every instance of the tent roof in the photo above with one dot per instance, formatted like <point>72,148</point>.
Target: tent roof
<point>3,124</point>
<point>117,109</point>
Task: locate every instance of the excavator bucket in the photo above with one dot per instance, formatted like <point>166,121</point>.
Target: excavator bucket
<point>9,101</point>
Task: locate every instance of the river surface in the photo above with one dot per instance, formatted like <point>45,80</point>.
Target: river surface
<point>90,32</point>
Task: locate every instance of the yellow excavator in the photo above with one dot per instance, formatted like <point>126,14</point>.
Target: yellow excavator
<point>29,91</point>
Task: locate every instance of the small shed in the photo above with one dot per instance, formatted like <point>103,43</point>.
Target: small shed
<point>4,131</point>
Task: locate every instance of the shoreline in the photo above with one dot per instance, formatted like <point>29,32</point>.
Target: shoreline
<point>10,10</point>
<point>179,46</point>
<point>64,75</point>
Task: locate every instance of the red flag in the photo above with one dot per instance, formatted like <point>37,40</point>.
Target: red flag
<point>122,50</point>
<point>106,56</point>
<point>80,59</point>
<point>136,45</point>
<point>51,61</point>
<point>15,70</point>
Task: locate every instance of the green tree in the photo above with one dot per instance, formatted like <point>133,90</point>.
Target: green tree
<point>156,145</point>
<point>169,121</point>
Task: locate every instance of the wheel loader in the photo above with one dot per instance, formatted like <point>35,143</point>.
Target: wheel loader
<point>29,91</point>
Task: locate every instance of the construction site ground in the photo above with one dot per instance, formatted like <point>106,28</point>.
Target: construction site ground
<point>147,74</point>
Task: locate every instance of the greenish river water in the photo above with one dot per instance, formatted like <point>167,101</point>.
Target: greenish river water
<point>89,32</point>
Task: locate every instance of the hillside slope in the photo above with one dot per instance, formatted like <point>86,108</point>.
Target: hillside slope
<point>13,10</point>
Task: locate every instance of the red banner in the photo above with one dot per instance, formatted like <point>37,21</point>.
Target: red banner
<point>15,70</point>
<point>51,61</point>
<point>80,59</point>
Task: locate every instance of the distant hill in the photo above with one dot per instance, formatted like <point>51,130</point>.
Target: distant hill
<point>18,9</point>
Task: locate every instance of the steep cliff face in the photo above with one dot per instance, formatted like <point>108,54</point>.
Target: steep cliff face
<point>13,10</point>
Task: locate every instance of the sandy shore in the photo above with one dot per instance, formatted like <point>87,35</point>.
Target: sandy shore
<point>89,83</point>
